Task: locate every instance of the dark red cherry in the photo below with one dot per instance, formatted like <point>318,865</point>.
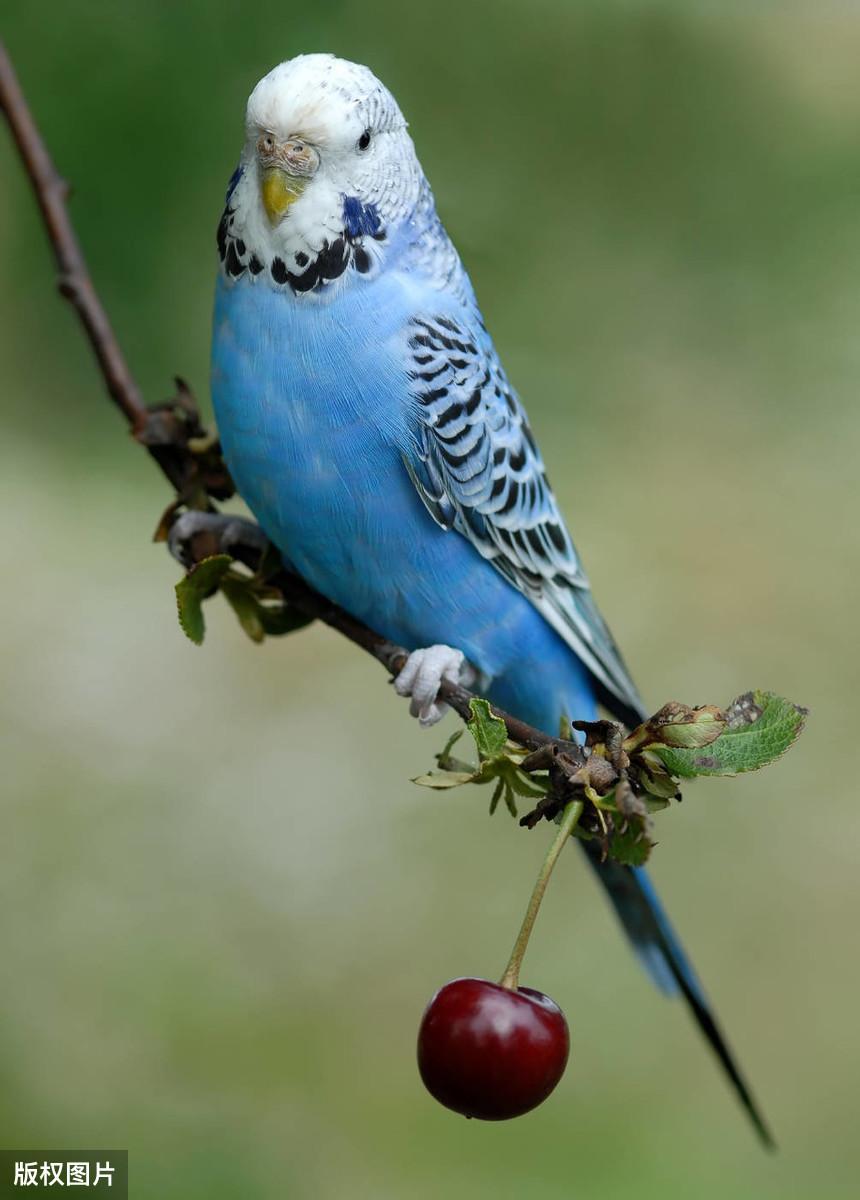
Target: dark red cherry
<point>489,1052</point>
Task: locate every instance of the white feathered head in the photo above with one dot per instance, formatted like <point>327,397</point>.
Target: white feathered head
<point>327,172</point>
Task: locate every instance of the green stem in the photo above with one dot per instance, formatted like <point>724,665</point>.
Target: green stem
<point>569,819</point>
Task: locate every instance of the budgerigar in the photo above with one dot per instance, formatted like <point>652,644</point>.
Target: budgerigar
<point>369,425</point>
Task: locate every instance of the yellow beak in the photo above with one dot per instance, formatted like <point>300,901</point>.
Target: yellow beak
<point>280,190</point>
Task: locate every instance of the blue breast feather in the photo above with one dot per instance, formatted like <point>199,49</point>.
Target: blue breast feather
<point>312,402</point>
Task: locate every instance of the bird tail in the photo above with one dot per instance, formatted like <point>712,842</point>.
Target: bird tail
<point>645,922</point>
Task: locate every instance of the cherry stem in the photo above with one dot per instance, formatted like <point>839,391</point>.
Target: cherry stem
<point>569,818</point>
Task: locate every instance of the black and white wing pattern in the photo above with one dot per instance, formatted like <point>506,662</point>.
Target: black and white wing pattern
<point>478,470</point>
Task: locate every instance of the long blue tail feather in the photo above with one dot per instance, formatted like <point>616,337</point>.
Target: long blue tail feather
<point>659,950</point>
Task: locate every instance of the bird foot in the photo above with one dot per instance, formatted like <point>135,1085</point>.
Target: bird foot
<point>228,535</point>
<point>422,677</point>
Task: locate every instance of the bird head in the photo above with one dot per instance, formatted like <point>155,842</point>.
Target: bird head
<point>327,172</point>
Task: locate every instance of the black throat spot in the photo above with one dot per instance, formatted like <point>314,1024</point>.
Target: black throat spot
<point>347,251</point>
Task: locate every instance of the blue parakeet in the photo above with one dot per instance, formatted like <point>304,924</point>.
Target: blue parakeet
<point>370,426</point>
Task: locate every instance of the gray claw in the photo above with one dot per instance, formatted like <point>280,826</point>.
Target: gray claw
<point>230,532</point>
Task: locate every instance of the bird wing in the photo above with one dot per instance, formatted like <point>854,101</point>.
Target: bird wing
<point>478,470</point>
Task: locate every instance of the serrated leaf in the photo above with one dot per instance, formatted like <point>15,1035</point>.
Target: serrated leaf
<point>760,728</point>
<point>632,846</point>
<point>488,731</point>
<point>193,589</point>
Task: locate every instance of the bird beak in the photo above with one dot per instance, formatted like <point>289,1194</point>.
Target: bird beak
<point>285,169</point>
<point>280,189</point>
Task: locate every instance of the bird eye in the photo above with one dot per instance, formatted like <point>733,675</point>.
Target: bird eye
<point>266,143</point>
<point>364,141</point>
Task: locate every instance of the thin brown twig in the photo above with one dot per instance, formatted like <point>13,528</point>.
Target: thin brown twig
<point>74,281</point>
<point>166,430</point>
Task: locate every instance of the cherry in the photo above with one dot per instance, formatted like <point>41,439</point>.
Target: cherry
<point>489,1051</point>
<point>496,1050</point>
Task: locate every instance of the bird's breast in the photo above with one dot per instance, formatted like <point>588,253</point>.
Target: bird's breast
<point>310,401</point>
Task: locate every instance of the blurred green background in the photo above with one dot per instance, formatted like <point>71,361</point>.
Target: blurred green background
<point>224,905</point>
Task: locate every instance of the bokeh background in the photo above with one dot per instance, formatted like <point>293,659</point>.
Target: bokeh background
<point>223,904</point>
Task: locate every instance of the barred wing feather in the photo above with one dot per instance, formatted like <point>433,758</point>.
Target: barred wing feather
<point>478,470</point>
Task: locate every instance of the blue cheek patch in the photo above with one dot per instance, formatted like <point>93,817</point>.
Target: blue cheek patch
<point>231,186</point>
<point>360,219</point>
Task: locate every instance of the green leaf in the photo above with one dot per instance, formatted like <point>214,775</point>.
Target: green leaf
<point>760,727</point>
<point>193,589</point>
<point>497,795</point>
<point>245,605</point>
<point>632,846</point>
<point>446,761</point>
<point>530,787</point>
<point>498,763</point>
<point>650,803</point>
<point>488,731</point>
<point>678,725</point>
<point>445,779</point>
<point>655,779</point>
<point>282,618</point>
<point>250,600</point>
<point>510,799</point>
<point>445,753</point>
<point>260,620</point>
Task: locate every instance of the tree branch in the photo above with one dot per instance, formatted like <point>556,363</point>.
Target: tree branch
<point>74,281</point>
<point>172,432</point>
